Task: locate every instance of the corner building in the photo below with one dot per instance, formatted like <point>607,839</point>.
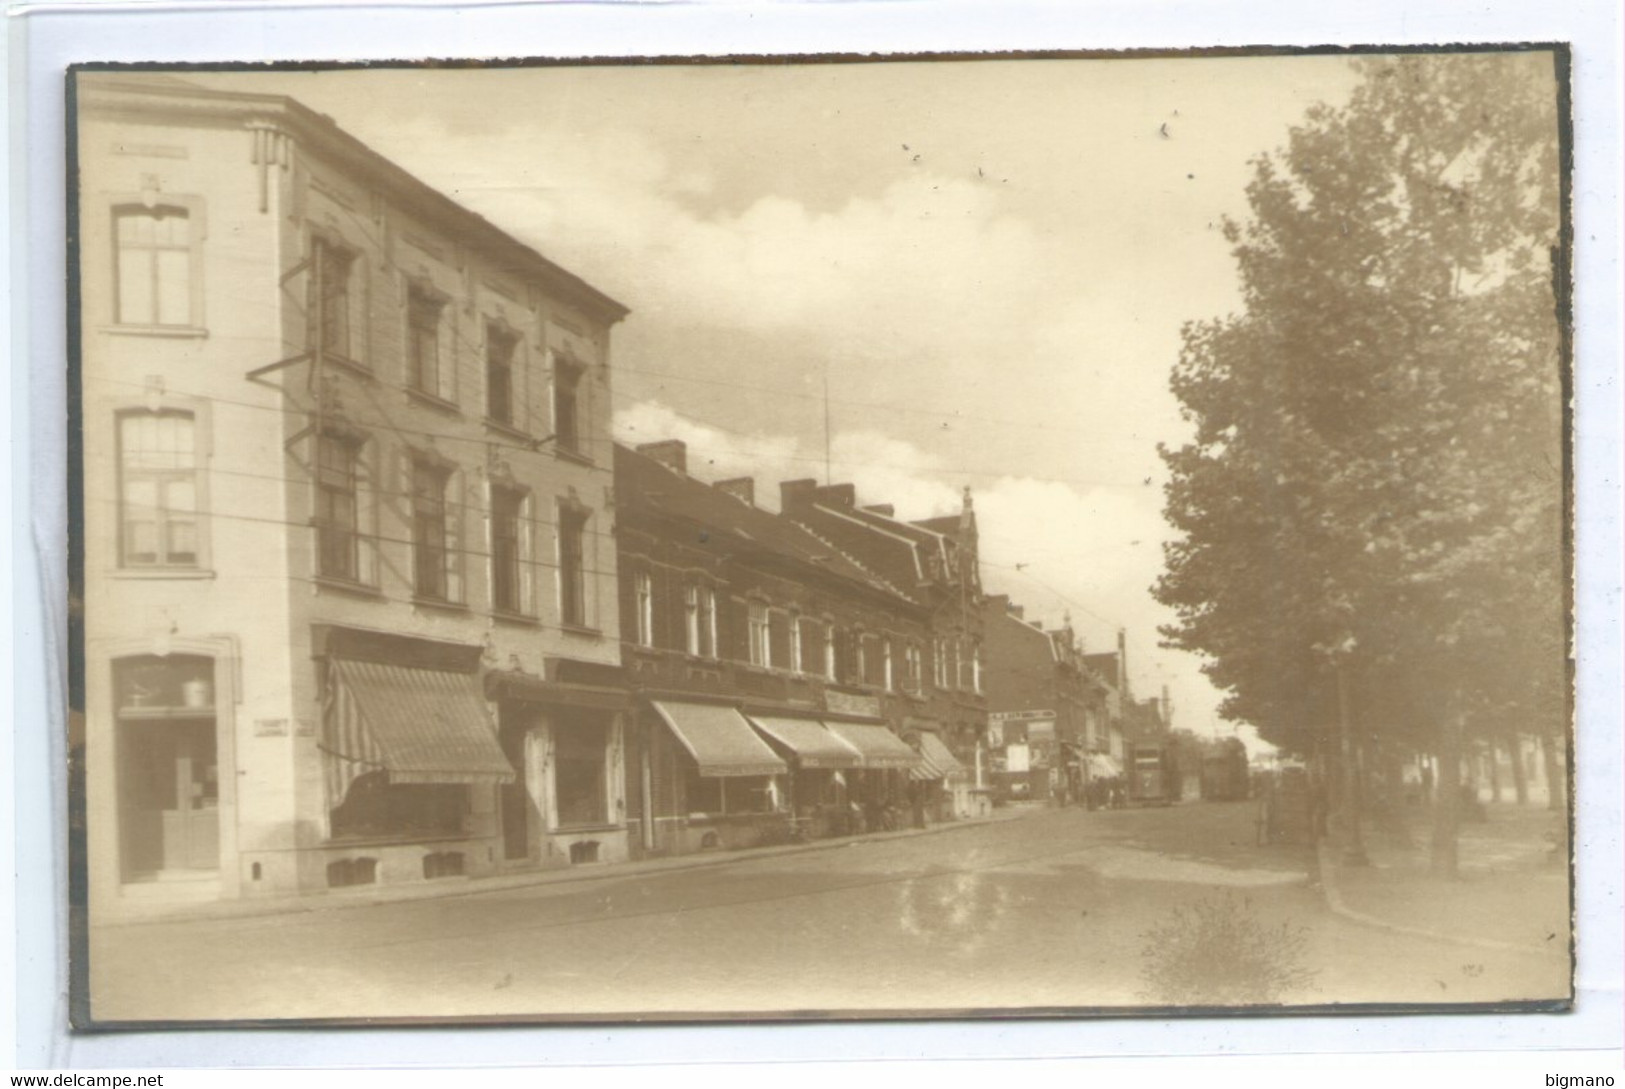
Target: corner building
<point>349,570</point>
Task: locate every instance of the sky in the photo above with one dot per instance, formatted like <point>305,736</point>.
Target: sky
<point>985,264</point>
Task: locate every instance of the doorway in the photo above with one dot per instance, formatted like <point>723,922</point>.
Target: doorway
<point>168,767</point>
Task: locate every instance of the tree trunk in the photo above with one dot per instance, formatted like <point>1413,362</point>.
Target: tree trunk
<point>1520,773</point>
<point>1353,840</point>
<point>1495,771</point>
<point>1447,796</point>
<point>1556,775</point>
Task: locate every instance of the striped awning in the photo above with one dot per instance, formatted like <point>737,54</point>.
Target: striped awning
<point>416,725</point>
<point>879,747</point>
<point>814,746</point>
<point>719,739</point>
<point>936,761</point>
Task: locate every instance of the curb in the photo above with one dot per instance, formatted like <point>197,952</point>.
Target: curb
<point>201,911</point>
<point>1335,901</point>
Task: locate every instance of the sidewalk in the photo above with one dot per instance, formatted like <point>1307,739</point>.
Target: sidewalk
<point>1510,893</point>
<point>136,912</point>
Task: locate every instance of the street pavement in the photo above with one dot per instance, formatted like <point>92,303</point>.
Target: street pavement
<point>1059,910</point>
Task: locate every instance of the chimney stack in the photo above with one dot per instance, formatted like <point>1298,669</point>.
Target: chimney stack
<point>796,493</point>
<point>882,508</point>
<point>844,496</point>
<point>672,453</point>
<point>740,487</point>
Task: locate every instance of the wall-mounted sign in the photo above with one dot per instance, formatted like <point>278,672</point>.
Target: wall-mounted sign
<point>270,727</point>
<point>1020,716</point>
<point>847,704</point>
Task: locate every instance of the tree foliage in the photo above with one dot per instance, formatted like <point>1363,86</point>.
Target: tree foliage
<point>1376,473</point>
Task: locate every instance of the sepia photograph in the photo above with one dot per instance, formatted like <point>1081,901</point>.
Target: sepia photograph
<point>829,537</point>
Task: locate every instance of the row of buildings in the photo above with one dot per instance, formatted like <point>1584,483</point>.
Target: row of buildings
<point>372,596</point>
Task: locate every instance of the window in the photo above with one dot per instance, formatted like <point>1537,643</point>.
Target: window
<point>714,796</point>
<point>814,652</point>
<point>963,665</point>
<point>885,651</point>
<point>154,265</point>
<point>158,515</point>
<point>375,808</point>
<point>872,660</point>
<point>572,566</point>
<point>581,773</point>
<point>430,551</point>
<point>939,663</point>
<point>567,405</point>
<point>509,531</point>
<point>976,669</point>
<point>761,653</point>
<point>500,347</point>
<point>829,651</point>
<point>330,298</point>
<point>912,667</point>
<point>778,639</point>
<point>643,598</point>
<point>423,342</point>
<point>700,620</point>
<point>338,509</point>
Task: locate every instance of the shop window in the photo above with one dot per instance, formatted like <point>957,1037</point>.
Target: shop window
<point>352,871</point>
<point>444,864</point>
<point>155,262</point>
<point>158,489</point>
<point>704,794</point>
<point>714,796</point>
<point>581,773</point>
<point>374,808</point>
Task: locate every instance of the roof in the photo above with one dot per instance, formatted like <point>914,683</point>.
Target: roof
<point>641,482</point>
<point>154,96</point>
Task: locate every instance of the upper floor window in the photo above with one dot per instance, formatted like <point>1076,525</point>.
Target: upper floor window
<point>424,365</point>
<point>761,653</point>
<point>643,603</point>
<point>939,663</point>
<point>885,651</point>
<point>330,271</point>
<point>338,508</point>
<point>510,550</point>
<point>778,639</point>
<point>871,660</point>
<point>572,566</point>
<point>501,346</point>
<point>567,429</point>
<point>811,646</point>
<point>700,620</point>
<point>911,667</point>
<point>158,508</point>
<point>976,669</point>
<point>154,260</point>
<point>829,651</point>
<point>431,544</point>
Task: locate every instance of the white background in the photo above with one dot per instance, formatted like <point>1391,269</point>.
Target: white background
<point>43,38</point>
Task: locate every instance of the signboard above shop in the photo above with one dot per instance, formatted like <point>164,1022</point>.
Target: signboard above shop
<point>1020,716</point>
<point>845,703</point>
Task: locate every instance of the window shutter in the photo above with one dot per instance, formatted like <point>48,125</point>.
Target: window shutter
<point>527,555</point>
<point>366,499</point>
<point>459,509</point>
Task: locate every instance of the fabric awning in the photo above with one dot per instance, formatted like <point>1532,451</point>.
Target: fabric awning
<point>936,761</point>
<point>880,747</point>
<point>416,725</point>
<point>813,744</point>
<point>719,739</point>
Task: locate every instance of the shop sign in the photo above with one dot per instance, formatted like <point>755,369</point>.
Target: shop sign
<point>847,704</point>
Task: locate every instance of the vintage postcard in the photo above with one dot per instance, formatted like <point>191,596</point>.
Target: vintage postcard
<point>920,536</point>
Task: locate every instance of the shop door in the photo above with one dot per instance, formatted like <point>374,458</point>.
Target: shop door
<point>171,797</point>
<point>515,798</point>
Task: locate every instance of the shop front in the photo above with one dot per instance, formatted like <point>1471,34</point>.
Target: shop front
<point>878,789</point>
<point>932,783</point>
<point>710,781</point>
<point>821,763</point>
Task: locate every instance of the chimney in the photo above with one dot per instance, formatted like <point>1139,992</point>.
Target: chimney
<point>844,496</point>
<point>796,493</point>
<point>1018,611</point>
<point>882,508</point>
<point>673,453</point>
<point>740,487</point>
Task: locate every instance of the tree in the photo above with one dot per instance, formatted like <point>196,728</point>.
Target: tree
<point>1373,496</point>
